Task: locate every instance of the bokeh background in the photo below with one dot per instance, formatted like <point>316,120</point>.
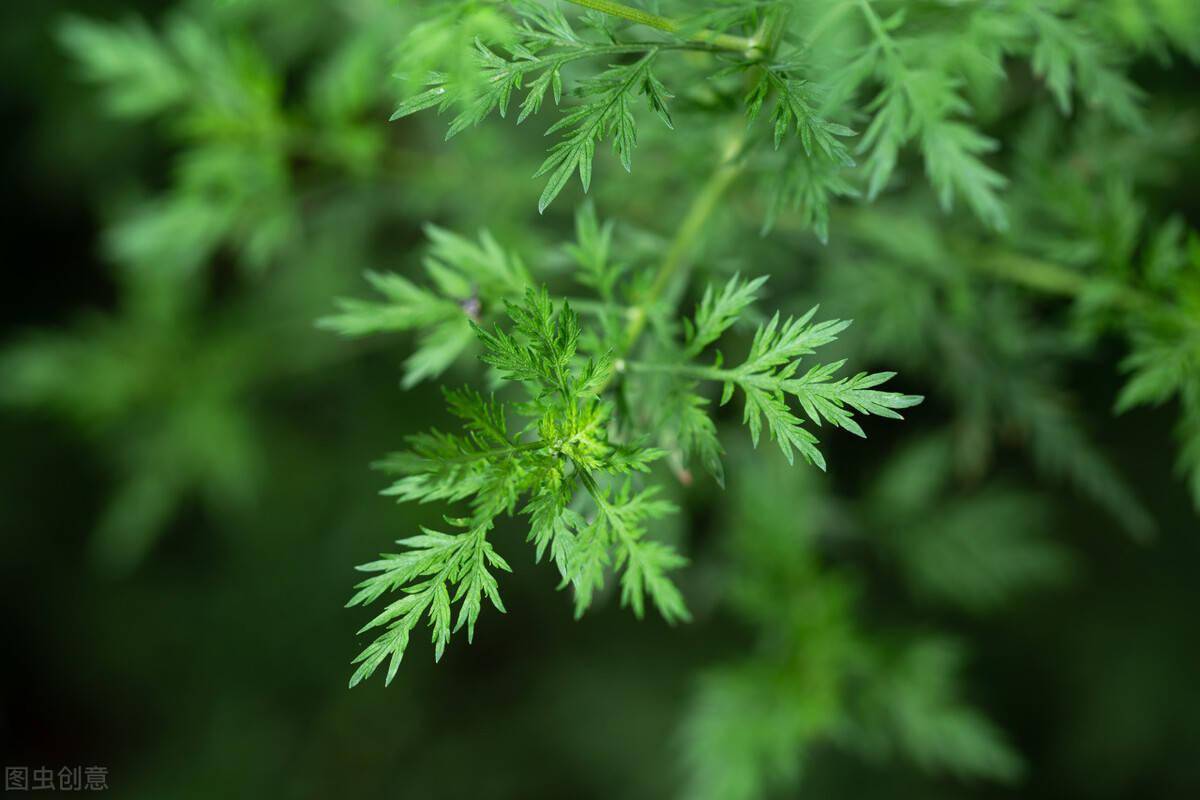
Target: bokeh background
<point>184,481</point>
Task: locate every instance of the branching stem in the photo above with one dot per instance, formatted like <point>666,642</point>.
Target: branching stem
<point>723,41</point>
<point>702,372</point>
<point>880,33</point>
<point>1049,278</point>
<point>698,371</point>
<point>496,451</point>
<point>686,237</point>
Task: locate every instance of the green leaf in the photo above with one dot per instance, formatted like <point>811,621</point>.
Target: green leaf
<point>718,312</point>
<point>140,74</point>
<point>433,562</point>
<point>607,112</point>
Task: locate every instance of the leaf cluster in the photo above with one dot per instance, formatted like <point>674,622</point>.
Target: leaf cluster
<point>563,458</point>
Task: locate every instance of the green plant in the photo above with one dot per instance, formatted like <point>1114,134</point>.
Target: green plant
<point>981,186</point>
<point>920,98</point>
<point>572,444</point>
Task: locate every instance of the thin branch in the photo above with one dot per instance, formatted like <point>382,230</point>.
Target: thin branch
<point>724,41</point>
<point>467,458</point>
<point>686,237</point>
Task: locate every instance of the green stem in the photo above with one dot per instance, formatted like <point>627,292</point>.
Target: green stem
<point>1032,273</point>
<point>886,43</point>
<point>561,59</point>
<point>1048,278</point>
<point>685,240</point>
<point>595,308</point>
<point>697,371</point>
<point>724,41</point>
<point>497,451</point>
<point>687,236</point>
<point>877,30</point>
<point>772,28</point>
<point>741,376</point>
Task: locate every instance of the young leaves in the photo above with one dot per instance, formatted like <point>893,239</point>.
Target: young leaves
<point>1067,56</point>
<point>562,456</point>
<point>592,253</point>
<point>770,374</point>
<point>1164,334</point>
<point>918,83</point>
<point>796,109</point>
<point>921,101</point>
<point>546,43</point>
<point>471,279</point>
<point>141,74</point>
<point>606,114</point>
<point>572,465</point>
<point>618,526</point>
<point>718,312</point>
<point>433,564</point>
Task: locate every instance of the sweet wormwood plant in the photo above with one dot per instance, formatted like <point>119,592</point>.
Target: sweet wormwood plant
<point>978,184</point>
<point>573,443</point>
<point>570,465</point>
<point>919,97</point>
<point>605,402</point>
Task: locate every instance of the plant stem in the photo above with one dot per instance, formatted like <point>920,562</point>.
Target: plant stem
<point>772,28</point>
<point>1032,273</point>
<point>877,30</point>
<point>724,41</point>
<point>1038,275</point>
<point>598,308</point>
<point>1049,278</point>
<point>496,451</point>
<point>697,371</point>
<point>701,372</point>
<point>686,237</point>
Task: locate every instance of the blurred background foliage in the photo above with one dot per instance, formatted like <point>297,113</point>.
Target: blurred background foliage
<point>997,600</point>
